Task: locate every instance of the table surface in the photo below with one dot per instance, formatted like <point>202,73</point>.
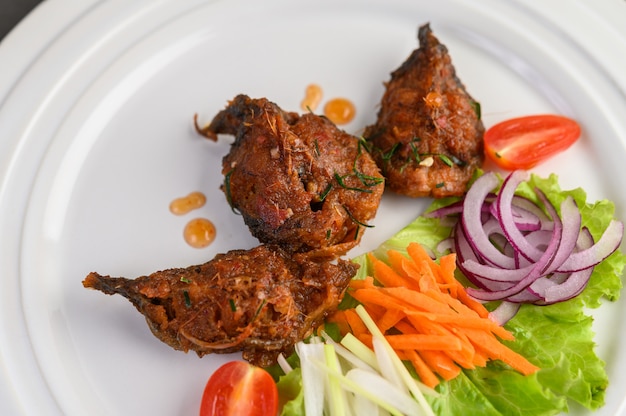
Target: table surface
<point>12,11</point>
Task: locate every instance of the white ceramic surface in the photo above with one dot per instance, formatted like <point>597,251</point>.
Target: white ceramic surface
<point>96,139</point>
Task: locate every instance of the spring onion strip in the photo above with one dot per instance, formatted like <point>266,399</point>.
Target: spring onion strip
<point>354,387</point>
<point>336,397</point>
<point>283,364</point>
<point>411,383</point>
<point>354,345</point>
<point>344,353</point>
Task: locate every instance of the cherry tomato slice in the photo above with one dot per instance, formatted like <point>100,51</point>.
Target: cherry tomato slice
<point>521,143</point>
<point>239,389</point>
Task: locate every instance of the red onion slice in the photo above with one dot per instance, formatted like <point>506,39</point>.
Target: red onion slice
<point>513,250</point>
<point>606,245</point>
<point>538,267</point>
<point>472,223</point>
<point>506,220</point>
<point>504,312</point>
<point>570,288</point>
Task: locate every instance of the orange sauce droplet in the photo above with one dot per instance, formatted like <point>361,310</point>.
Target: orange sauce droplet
<point>312,98</point>
<point>185,204</point>
<point>339,110</point>
<point>199,232</point>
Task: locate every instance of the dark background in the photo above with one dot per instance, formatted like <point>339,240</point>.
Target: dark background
<point>12,11</point>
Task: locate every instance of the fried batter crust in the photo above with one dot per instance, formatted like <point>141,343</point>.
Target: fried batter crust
<point>428,137</point>
<point>259,301</point>
<point>298,181</point>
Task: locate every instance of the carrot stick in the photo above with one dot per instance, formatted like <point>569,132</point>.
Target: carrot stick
<point>416,300</point>
<point>471,303</point>
<point>354,322</point>
<point>390,318</point>
<point>397,261</point>
<point>419,342</point>
<point>386,275</point>
<point>366,283</point>
<point>405,267</point>
<point>426,375</point>
<point>447,265</point>
<point>418,254</point>
<point>441,364</point>
<point>497,350</point>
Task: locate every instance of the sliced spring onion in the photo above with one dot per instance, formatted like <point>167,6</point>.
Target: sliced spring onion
<point>312,377</point>
<point>361,350</point>
<point>412,384</point>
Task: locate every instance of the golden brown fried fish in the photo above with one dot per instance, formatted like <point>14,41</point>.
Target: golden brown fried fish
<point>259,301</point>
<point>428,137</point>
<point>298,181</point>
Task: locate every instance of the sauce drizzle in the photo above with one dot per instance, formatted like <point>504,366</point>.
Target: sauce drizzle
<point>199,232</point>
<point>340,110</point>
<point>312,97</point>
<point>185,204</point>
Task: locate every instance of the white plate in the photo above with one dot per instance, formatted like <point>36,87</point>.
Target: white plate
<point>97,139</point>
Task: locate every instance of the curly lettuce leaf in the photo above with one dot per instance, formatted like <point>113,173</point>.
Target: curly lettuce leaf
<point>291,393</point>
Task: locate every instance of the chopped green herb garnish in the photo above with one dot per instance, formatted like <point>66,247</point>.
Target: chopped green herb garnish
<point>187,299</point>
<point>440,185</point>
<point>324,194</point>
<point>233,307</point>
<point>229,197</point>
<point>185,280</point>
<point>445,159</point>
<point>389,154</point>
<point>476,106</point>
<point>341,183</point>
<point>363,143</point>
<point>416,153</point>
<point>457,161</point>
<point>317,148</point>
<point>368,180</point>
<point>355,220</point>
<point>258,310</point>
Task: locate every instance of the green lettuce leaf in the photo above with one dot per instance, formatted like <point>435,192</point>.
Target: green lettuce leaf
<point>291,393</point>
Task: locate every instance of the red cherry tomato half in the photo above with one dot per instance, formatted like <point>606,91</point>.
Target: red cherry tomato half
<point>239,389</point>
<point>521,143</point>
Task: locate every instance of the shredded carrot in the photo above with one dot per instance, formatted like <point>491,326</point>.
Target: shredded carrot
<point>427,316</point>
<point>366,283</point>
<point>424,342</point>
<point>387,276</point>
<point>354,322</point>
<point>390,318</point>
<point>424,372</point>
<point>441,364</point>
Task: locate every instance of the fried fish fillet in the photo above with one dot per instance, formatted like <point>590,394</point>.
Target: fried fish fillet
<point>428,137</point>
<point>298,181</point>
<point>259,301</point>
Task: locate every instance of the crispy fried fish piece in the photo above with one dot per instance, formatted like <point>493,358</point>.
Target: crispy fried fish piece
<point>298,181</point>
<point>428,137</point>
<point>259,301</point>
